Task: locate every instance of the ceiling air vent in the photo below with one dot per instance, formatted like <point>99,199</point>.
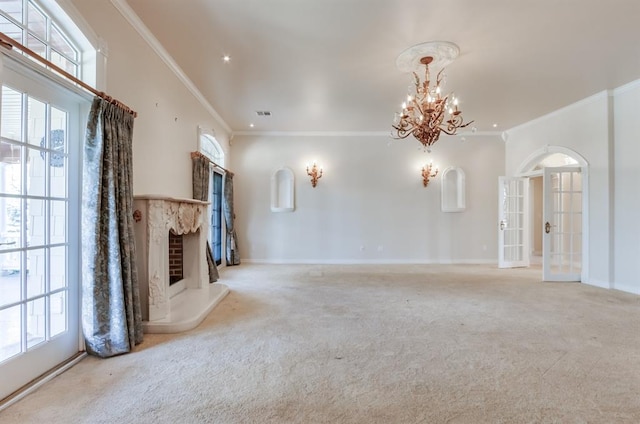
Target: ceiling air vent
<point>263,113</point>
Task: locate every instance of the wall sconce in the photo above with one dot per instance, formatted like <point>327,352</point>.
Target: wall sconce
<point>315,173</point>
<point>426,173</point>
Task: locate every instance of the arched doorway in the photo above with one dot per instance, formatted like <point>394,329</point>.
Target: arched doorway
<point>550,196</point>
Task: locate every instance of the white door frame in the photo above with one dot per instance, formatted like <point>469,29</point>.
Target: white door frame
<point>527,169</point>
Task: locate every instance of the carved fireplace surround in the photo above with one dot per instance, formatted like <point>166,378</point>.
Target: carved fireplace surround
<point>166,310</point>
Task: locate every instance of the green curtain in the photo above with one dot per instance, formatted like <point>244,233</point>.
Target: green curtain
<point>111,311</point>
<point>232,252</point>
<point>200,182</point>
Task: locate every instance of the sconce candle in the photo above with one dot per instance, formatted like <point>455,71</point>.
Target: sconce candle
<point>315,173</point>
<point>427,174</point>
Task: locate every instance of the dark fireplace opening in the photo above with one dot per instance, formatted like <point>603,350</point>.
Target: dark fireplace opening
<point>176,249</point>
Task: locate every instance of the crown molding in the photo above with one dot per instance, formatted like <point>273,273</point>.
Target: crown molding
<point>347,134</point>
<point>134,20</point>
<point>633,85</point>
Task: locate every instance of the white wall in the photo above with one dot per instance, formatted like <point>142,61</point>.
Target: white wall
<point>627,181</point>
<point>165,131</point>
<point>370,196</point>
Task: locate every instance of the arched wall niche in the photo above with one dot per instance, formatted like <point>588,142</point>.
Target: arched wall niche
<point>282,190</point>
<point>453,188</point>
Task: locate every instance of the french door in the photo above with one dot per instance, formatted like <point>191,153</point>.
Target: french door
<point>562,228</point>
<point>215,229</point>
<point>512,223</point>
<point>40,130</point>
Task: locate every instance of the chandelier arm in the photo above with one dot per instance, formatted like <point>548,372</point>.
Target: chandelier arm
<point>401,133</point>
<point>439,76</point>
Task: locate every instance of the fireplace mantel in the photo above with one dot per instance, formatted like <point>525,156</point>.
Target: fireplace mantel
<point>162,311</point>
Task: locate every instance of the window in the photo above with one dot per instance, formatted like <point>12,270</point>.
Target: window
<point>215,235</point>
<point>26,22</point>
<point>210,147</point>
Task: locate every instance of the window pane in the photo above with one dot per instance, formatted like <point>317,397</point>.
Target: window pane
<point>36,221</point>
<point>58,313</point>
<point>36,118</point>
<point>10,29</point>
<point>10,221</point>
<point>58,216</point>
<point>11,123</point>
<point>58,179</point>
<point>9,278</point>
<point>35,272</point>
<point>36,172</point>
<point>35,322</point>
<point>64,63</point>
<point>10,332</point>
<point>37,46</point>
<point>60,43</point>
<point>12,8</point>
<point>58,267</point>
<point>37,22</point>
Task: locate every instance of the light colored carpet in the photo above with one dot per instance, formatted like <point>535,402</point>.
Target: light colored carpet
<point>372,344</point>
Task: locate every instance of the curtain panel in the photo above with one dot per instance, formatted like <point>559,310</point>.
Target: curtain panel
<point>111,311</point>
<point>200,182</point>
<point>232,253</point>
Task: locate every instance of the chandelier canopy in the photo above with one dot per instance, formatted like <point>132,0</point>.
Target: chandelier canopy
<point>427,111</point>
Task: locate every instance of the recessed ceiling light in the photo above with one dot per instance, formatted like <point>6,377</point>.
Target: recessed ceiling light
<point>495,125</point>
<point>226,58</point>
<point>251,125</point>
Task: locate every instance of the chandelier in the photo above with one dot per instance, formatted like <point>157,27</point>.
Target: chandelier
<point>428,112</point>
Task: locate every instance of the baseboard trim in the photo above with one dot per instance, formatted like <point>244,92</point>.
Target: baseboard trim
<point>40,381</point>
<point>626,288</point>
<point>369,262</point>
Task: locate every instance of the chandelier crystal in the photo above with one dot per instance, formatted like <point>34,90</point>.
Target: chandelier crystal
<point>427,112</point>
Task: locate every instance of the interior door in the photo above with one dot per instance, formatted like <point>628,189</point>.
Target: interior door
<point>562,229</point>
<point>40,133</point>
<point>512,223</point>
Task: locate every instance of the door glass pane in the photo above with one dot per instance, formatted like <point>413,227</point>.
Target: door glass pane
<point>10,223</point>
<point>9,278</point>
<point>58,313</point>
<point>36,272</point>
<point>58,156</point>
<point>36,174</point>
<point>36,224</point>
<point>36,326</point>
<point>36,115</point>
<point>11,123</point>
<point>58,261</point>
<point>10,332</point>
<point>58,227</point>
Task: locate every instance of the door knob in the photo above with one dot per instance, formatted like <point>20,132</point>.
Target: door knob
<point>547,227</point>
<point>502,225</point>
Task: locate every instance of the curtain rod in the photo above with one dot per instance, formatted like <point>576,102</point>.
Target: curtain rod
<point>199,154</point>
<point>10,43</point>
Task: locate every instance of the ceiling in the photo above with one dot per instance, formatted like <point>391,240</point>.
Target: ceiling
<point>329,65</point>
